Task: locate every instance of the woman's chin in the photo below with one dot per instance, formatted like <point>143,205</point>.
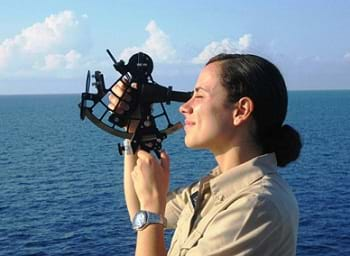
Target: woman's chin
<point>190,143</point>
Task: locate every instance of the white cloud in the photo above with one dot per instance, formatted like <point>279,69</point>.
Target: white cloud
<point>5,53</point>
<point>157,45</point>
<point>225,46</point>
<point>347,56</point>
<point>69,60</point>
<point>53,44</point>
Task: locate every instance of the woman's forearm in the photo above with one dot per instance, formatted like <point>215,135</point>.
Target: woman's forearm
<point>150,241</point>
<point>131,199</point>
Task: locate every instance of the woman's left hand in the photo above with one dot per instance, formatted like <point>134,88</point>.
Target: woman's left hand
<point>151,181</point>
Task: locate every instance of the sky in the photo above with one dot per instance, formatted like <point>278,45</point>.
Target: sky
<point>46,47</point>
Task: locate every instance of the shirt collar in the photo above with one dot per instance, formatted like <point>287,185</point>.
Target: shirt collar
<point>241,176</point>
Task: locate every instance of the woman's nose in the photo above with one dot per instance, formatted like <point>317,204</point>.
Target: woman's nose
<point>186,108</point>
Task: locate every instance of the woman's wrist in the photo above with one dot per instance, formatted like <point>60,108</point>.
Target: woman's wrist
<point>127,147</point>
<point>153,206</point>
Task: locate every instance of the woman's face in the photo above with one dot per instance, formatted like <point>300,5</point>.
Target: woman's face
<point>208,115</point>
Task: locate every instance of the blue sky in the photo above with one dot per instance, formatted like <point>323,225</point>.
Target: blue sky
<point>48,46</point>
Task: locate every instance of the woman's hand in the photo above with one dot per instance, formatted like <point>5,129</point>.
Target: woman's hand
<point>121,104</point>
<point>151,181</point>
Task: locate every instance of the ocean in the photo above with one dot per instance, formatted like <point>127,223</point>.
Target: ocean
<point>61,178</point>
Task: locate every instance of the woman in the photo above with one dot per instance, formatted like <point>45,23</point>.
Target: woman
<point>243,207</point>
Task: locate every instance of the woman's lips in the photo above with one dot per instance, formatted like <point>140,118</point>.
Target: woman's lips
<point>189,124</point>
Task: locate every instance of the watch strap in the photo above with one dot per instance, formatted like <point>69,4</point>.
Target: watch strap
<point>154,218</point>
<point>147,219</point>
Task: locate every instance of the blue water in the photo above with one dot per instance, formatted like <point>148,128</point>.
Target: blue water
<point>61,178</point>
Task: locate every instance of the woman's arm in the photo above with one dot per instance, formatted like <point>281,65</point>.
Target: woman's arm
<point>129,159</point>
<point>151,182</point>
<point>150,241</point>
<point>131,199</point>
<point>146,183</point>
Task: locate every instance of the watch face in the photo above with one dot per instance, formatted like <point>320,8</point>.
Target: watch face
<point>139,220</point>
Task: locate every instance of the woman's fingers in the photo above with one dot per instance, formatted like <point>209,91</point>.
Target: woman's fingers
<point>151,181</point>
<point>119,88</point>
<point>119,98</point>
<point>120,108</point>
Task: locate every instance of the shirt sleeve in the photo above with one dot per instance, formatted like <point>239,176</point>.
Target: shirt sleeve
<point>251,225</point>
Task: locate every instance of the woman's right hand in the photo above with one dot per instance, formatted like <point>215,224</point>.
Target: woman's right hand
<point>119,102</point>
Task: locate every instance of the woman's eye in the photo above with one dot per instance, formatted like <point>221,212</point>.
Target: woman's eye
<point>198,96</point>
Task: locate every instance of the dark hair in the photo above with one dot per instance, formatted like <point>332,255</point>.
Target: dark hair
<point>255,77</point>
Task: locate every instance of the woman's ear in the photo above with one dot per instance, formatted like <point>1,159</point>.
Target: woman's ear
<point>243,111</point>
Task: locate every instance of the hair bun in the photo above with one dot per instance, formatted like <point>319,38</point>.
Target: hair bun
<point>287,145</point>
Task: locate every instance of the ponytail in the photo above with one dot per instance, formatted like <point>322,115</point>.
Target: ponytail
<point>285,142</point>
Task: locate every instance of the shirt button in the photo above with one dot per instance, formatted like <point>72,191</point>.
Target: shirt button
<point>183,252</point>
<point>220,198</point>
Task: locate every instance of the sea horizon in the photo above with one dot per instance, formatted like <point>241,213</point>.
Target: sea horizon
<point>75,93</point>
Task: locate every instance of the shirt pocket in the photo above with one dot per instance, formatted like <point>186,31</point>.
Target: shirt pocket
<point>183,225</point>
<point>190,242</point>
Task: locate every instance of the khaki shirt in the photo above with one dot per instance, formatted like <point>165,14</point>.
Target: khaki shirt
<point>248,210</point>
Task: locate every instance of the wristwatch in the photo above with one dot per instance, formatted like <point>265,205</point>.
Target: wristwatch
<point>144,218</point>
